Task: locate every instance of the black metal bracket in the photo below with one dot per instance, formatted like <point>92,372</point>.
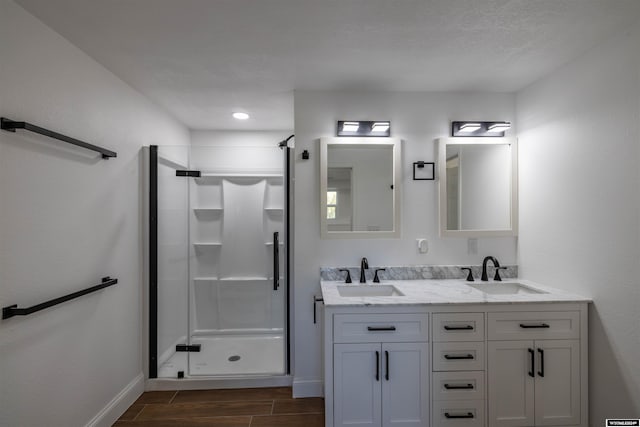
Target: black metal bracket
<point>13,310</point>
<point>285,142</point>
<point>12,125</point>
<point>315,300</point>
<point>193,174</point>
<point>191,348</point>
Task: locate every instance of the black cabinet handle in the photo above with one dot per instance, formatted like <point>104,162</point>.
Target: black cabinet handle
<point>386,375</point>
<point>467,415</point>
<point>541,371</point>
<point>453,357</point>
<point>458,328</point>
<point>381,328</point>
<point>377,366</point>
<point>538,326</point>
<point>533,355</point>
<point>459,387</point>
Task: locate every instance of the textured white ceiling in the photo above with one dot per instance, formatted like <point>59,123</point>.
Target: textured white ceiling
<point>203,59</point>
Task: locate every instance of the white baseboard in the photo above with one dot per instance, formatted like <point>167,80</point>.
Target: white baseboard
<point>307,388</point>
<point>119,404</point>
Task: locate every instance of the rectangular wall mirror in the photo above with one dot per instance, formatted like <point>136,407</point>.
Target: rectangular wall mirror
<point>478,187</point>
<point>360,187</point>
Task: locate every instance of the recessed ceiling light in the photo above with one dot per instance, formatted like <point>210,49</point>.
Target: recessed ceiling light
<point>240,116</point>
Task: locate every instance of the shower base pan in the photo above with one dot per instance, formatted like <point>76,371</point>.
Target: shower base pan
<point>228,355</point>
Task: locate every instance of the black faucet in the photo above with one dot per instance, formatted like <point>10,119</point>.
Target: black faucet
<point>484,266</point>
<point>364,265</point>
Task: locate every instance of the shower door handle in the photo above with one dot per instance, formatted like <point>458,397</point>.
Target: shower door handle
<point>276,261</point>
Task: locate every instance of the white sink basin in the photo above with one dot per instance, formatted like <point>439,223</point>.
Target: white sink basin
<point>505,288</point>
<point>369,291</point>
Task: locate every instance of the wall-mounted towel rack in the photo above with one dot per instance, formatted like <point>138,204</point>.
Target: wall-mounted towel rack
<point>12,125</point>
<point>13,310</point>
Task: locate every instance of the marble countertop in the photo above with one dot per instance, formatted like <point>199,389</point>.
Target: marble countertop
<point>453,291</point>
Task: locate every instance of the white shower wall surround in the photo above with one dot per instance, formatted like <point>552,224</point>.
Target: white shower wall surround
<point>232,255</point>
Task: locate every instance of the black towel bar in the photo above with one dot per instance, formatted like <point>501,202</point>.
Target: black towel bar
<point>13,310</point>
<point>11,126</point>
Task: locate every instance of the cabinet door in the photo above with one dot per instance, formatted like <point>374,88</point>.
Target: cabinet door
<point>405,384</point>
<point>557,382</point>
<point>356,384</point>
<point>510,384</point>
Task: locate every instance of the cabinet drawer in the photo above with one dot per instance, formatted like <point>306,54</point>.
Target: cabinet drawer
<point>455,413</point>
<point>380,327</point>
<point>458,327</point>
<point>534,325</point>
<point>458,356</point>
<point>458,385</point>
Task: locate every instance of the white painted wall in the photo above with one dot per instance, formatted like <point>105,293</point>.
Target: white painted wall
<point>418,119</point>
<point>238,138</point>
<point>66,220</point>
<point>579,140</point>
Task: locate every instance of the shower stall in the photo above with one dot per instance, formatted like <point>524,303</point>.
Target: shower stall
<point>218,250</point>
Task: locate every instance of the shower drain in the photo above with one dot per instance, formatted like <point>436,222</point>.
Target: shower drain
<point>234,358</point>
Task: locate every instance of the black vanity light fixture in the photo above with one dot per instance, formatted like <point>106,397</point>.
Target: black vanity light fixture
<point>424,171</point>
<point>363,128</point>
<point>474,128</point>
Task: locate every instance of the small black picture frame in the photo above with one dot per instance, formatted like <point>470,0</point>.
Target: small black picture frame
<point>424,171</point>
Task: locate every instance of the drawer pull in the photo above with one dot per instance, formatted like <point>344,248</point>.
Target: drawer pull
<point>458,328</point>
<point>459,387</point>
<point>538,326</point>
<point>464,357</point>
<point>467,415</point>
<point>380,328</point>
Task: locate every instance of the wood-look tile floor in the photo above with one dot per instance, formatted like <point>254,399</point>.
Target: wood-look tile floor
<point>249,407</point>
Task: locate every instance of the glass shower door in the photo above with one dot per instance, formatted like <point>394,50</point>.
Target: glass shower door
<point>237,313</point>
<point>172,272</point>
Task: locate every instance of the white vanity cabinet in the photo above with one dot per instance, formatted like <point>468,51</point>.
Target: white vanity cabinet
<point>380,370</point>
<point>492,364</point>
<point>534,368</point>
